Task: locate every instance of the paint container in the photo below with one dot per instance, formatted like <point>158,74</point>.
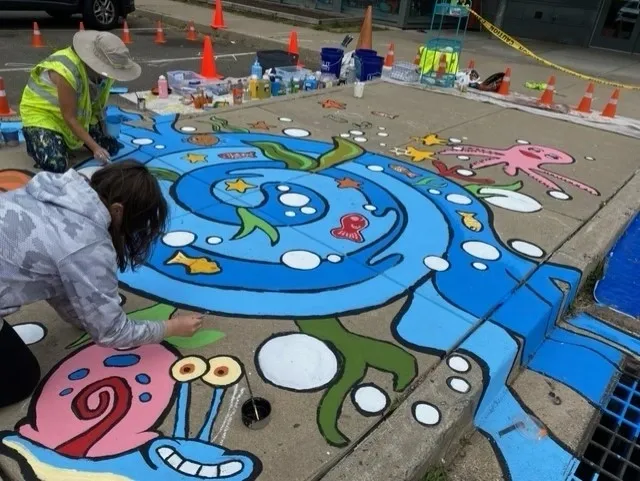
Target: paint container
<point>11,137</point>
<point>256,413</point>
<point>113,125</point>
<point>142,103</point>
<point>358,90</point>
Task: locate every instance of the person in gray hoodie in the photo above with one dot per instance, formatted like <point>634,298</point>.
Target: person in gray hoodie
<point>63,239</point>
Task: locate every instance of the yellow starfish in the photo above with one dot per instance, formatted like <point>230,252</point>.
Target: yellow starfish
<point>195,265</point>
<point>195,158</point>
<point>430,139</point>
<point>418,155</point>
<point>238,185</point>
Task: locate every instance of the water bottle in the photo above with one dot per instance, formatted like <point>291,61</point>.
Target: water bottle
<point>275,87</point>
<point>163,87</point>
<point>256,69</point>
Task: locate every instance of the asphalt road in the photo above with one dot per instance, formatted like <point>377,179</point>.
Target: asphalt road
<point>17,56</point>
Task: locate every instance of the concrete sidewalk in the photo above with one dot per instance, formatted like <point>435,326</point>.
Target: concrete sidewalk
<point>489,54</point>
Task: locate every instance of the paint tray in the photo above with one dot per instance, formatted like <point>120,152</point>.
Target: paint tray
<point>186,82</point>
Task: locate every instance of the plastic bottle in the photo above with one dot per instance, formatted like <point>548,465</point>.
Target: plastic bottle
<point>265,87</point>
<point>253,87</point>
<point>276,85</point>
<point>256,69</point>
<point>238,93</point>
<point>295,88</point>
<point>163,87</point>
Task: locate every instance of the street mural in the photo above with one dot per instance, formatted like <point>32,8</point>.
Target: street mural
<point>280,226</point>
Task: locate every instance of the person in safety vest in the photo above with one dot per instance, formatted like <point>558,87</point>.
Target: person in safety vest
<point>63,104</point>
<point>63,238</point>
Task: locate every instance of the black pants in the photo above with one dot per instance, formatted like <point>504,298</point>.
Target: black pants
<point>19,369</point>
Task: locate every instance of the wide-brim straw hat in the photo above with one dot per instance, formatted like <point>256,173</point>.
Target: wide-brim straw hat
<point>106,54</point>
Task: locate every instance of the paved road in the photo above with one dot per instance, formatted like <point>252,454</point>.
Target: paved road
<point>17,56</point>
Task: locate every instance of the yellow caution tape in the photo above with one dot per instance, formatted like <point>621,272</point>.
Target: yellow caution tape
<point>513,43</point>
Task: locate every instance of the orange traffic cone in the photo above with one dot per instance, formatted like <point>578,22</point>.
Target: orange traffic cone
<point>36,39</point>
<point>506,82</point>
<point>293,46</point>
<point>81,27</point>
<point>391,56</point>
<point>217,21</point>
<point>126,36</point>
<point>442,66</point>
<point>585,103</point>
<point>612,105</point>
<point>208,64</point>
<point>547,96</point>
<point>191,32</point>
<point>160,33</point>
<point>416,59</point>
<point>365,40</point>
<point>4,103</point>
<point>471,65</point>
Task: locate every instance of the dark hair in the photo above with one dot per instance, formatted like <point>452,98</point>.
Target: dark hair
<point>145,210</point>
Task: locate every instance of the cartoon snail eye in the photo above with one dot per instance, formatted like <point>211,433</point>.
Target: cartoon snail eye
<point>223,371</point>
<point>189,368</point>
<point>552,156</point>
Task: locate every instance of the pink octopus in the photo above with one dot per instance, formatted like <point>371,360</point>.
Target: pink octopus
<point>526,158</point>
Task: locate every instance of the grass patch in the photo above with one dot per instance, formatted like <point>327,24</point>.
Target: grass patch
<point>436,474</point>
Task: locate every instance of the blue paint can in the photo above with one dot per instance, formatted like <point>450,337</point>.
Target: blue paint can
<point>331,60</point>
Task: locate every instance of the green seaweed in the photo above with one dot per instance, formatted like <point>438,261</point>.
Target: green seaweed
<point>475,188</point>
<point>164,174</point>
<point>357,353</point>
<point>277,151</point>
<point>218,124</point>
<point>249,222</point>
<point>343,151</point>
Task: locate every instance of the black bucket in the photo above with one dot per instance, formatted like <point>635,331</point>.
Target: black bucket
<point>256,413</point>
<point>276,58</point>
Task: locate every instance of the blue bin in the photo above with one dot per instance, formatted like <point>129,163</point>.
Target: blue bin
<point>365,52</point>
<point>331,61</point>
<point>369,67</point>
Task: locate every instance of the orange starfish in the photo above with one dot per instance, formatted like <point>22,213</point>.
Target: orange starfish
<point>332,104</point>
<point>261,125</point>
<point>346,183</point>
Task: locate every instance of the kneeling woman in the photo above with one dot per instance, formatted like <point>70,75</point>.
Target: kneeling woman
<point>63,239</point>
<point>63,104</point>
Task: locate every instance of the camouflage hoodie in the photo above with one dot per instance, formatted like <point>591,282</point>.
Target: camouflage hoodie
<point>55,246</point>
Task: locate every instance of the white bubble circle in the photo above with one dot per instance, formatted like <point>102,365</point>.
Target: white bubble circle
<point>178,238</point>
<point>356,132</point>
<point>334,258</point>
<point>214,240</point>
<point>383,134</point>
<point>436,263</point>
<point>296,132</point>
<point>458,199</point>
<point>188,129</point>
<point>459,385</point>
<point>345,136</point>
<point>30,332</point>
<point>285,119</point>
<point>434,191</point>
<point>308,210</point>
<point>480,266</point>
<point>526,248</point>
<point>426,414</point>
<point>556,194</point>
<point>294,200</point>
<point>481,250</point>
<point>375,168</point>
<point>283,188</point>
<point>160,147</point>
<point>382,128</point>
<point>523,142</point>
<point>360,140</point>
<point>457,147</point>
<point>290,213</point>
<point>588,157</point>
<point>370,399</point>
<point>142,141</point>
<point>301,260</point>
<point>463,157</point>
<point>453,140</point>
<point>297,361</point>
<point>458,364</point>
<point>465,172</point>
<point>382,144</point>
<point>370,207</point>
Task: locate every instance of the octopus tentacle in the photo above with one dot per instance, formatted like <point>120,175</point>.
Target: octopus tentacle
<point>473,150</point>
<point>568,180</point>
<point>481,164</point>
<point>541,179</point>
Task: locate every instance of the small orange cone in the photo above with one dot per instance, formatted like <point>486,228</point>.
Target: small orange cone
<point>442,66</point>
<point>81,27</point>
<point>391,56</point>
<point>36,39</point>
<point>208,63</point>
<point>217,21</point>
<point>4,103</point>
<point>191,32</point>
<point>585,103</point>
<point>160,33</point>
<point>612,105</point>
<point>365,40</point>
<point>126,35</point>
<point>547,96</point>
<point>293,46</point>
<point>506,82</point>
<point>416,59</point>
<point>471,65</point>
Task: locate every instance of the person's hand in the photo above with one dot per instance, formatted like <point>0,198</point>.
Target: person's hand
<point>101,155</point>
<point>183,326</point>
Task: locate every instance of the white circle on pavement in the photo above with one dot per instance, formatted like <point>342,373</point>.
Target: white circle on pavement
<point>188,128</point>
<point>436,263</point>
<point>481,250</point>
<point>370,399</point>
<point>458,363</point>
<point>426,414</point>
<point>296,132</point>
<point>214,240</point>
<point>178,238</point>
<point>375,168</point>
<point>301,260</point>
<point>526,248</point>
<point>142,141</point>
<point>556,194</point>
<point>459,385</point>
<point>458,199</point>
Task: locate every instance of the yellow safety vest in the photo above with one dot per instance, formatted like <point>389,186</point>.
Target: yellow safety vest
<point>430,61</point>
<point>100,102</point>
<point>40,106</point>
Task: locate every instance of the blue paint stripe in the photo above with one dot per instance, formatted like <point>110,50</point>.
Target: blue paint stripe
<point>595,326</point>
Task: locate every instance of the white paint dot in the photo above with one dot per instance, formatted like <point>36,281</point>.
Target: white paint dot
<point>290,213</point>
<point>360,140</point>
<point>356,132</point>
<point>30,332</point>
<point>214,240</point>
<point>370,207</point>
<point>458,364</point>
<point>375,168</point>
<point>436,263</point>
<point>458,199</point>
<point>345,135</point>
<point>301,260</point>
<point>296,132</point>
<point>335,258</point>
<point>556,194</point>
<point>142,141</point>
<point>370,399</point>
<point>308,210</point>
<point>481,250</point>
<point>465,172</point>
<point>434,191</point>
<point>382,128</point>
<point>454,140</point>
<point>523,142</point>
<point>160,147</point>
<point>465,138</point>
<point>480,266</point>
<point>463,157</point>
<point>283,188</point>
<point>382,144</point>
<point>459,385</point>
<point>588,157</point>
<point>188,128</point>
<point>285,119</point>
<point>297,361</point>
<point>526,248</point>
<point>457,147</point>
<point>294,200</point>
<point>383,134</point>
<point>426,414</point>
<point>179,238</point>
<point>507,199</point>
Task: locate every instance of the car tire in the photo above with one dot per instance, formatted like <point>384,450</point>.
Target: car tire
<point>101,14</point>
